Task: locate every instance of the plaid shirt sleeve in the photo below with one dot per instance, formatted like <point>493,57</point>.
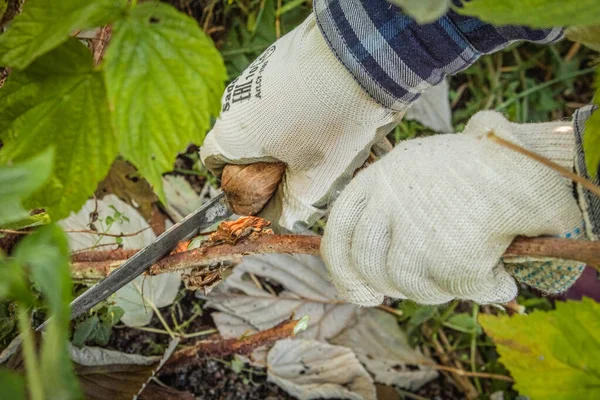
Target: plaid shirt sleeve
<point>394,59</point>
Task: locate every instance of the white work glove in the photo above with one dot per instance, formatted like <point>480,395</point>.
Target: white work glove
<point>431,220</point>
<point>298,104</point>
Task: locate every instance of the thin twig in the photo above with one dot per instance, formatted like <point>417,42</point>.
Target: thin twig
<point>462,372</point>
<point>190,356</point>
<point>13,232</point>
<point>560,169</point>
<point>473,349</point>
<point>88,231</point>
<point>115,235</point>
<point>86,249</point>
<point>458,377</point>
<point>278,20</point>
<point>390,310</point>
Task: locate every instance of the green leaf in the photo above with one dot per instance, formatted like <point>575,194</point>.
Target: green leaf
<point>59,101</point>
<point>102,334</point>
<point>19,182</point>
<point>243,45</point>
<point>46,254</point>
<point>463,322</point>
<point>423,11</point>
<point>591,138</point>
<point>44,25</point>
<point>14,284</point>
<point>534,13</point>
<point>237,365</point>
<point>12,384</point>
<point>31,220</point>
<point>588,35</point>
<point>113,315</point>
<point>164,80</point>
<point>591,144</point>
<point>551,355</point>
<point>85,331</point>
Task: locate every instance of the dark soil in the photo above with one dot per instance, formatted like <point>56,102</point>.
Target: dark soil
<point>213,379</point>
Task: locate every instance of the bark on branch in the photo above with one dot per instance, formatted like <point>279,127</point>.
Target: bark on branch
<point>190,356</point>
<point>579,250</point>
<point>97,264</point>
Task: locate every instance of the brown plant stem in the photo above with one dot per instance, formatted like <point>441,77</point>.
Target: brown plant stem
<point>462,372</point>
<point>459,379</point>
<point>579,250</point>
<point>115,235</point>
<point>209,255</point>
<point>97,264</point>
<point>561,170</point>
<point>190,356</point>
<point>87,231</point>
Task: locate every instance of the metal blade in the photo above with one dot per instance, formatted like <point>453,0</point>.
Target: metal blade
<point>215,210</point>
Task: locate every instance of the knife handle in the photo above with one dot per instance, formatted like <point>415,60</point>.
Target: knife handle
<point>250,187</point>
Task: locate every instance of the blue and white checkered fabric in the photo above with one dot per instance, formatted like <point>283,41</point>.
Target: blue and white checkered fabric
<point>394,59</point>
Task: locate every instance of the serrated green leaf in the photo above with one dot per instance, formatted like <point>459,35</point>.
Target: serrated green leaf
<point>45,253</point>
<point>19,182</point>
<point>552,355</point>
<point>588,35</point>
<point>591,144</point>
<point>44,25</point>
<point>591,138</point>
<point>85,330</point>
<point>59,101</point>
<point>12,384</point>
<point>534,13</point>
<point>423,11</point>
<point>164,79</point>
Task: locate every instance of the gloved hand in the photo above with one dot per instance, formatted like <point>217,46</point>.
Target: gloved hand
<point>298,104</point>
<point>431,220</point>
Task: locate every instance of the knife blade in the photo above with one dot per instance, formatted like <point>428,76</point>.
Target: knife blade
<point>210,213</point>
<point>246,190</point>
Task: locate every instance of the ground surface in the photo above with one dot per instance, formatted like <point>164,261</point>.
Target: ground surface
<point>513,81</point>
<point>496,82</point>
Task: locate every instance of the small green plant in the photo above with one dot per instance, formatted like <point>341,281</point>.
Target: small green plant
<point>96,329</point>
<point>41,260</point>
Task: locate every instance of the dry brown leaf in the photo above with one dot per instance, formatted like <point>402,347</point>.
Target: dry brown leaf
<point>306,292</point>
<point>107,374</point>
<point>383,348</point>
<point>311,369</point>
